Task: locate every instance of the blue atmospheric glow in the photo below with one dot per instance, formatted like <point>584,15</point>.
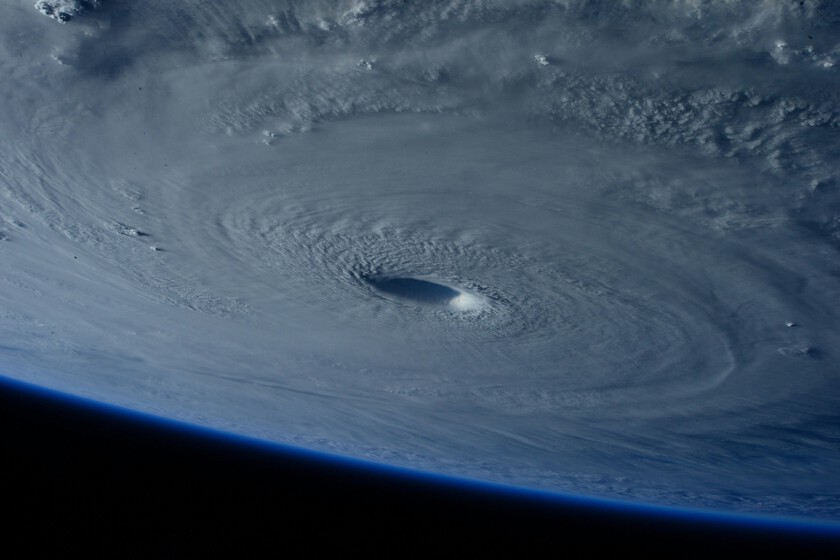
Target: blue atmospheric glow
<point>758,524</point>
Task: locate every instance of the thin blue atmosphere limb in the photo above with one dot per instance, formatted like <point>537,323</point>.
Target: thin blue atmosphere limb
<point>107,460</point>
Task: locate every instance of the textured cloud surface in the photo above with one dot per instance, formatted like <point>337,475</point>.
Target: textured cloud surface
<point>583,246</point>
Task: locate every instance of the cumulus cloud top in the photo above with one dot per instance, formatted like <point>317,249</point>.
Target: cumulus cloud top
<point>65,10</point>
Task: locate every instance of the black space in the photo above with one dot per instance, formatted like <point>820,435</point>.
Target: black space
<point>106,483</point>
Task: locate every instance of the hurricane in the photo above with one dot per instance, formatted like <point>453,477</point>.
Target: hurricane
<point>576,246</point>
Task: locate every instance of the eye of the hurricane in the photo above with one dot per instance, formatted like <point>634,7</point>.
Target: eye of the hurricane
<point>423,292</point>
<point>416,290</point>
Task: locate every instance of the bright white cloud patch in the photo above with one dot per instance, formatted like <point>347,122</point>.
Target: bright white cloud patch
<point>64,10</point>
